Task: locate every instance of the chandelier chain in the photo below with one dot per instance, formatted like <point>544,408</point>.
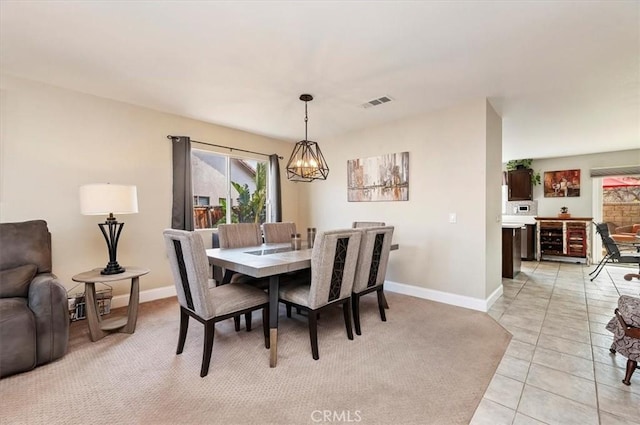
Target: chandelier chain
<point>306,119</point>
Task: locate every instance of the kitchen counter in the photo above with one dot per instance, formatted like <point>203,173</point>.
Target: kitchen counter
<point>564,218</point>
<point>512,225</point>
<point>522,219</point>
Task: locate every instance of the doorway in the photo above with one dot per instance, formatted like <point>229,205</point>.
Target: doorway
<point>616,200</point>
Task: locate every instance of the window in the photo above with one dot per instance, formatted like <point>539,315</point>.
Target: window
<point>238,183</point>
<point>200,200</point>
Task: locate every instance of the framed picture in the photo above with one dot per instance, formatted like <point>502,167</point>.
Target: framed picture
<point>378,178</point>
<point>562,184</point>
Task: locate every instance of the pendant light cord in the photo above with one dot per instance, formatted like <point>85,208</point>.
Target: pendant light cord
<point>306,119</point>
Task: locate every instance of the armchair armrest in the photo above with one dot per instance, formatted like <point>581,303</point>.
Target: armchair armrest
<point>629,331</point>
<point>48,301</point>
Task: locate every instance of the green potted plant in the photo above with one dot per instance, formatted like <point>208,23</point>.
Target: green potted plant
<point>516,164</point>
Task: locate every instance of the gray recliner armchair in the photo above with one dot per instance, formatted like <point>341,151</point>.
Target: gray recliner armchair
<point>34,316</point>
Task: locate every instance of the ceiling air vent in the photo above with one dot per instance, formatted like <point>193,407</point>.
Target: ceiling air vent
<point>376,102</point>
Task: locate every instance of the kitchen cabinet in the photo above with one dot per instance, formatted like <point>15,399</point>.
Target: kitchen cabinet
<point>576,239</point>
<point>520,185</point>
<point>511,256</point>
<point>528,242</point>
<point>564,239</point>
<point>551,240</point>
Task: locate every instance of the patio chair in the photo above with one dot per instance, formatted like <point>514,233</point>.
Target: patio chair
<point>613,254</point>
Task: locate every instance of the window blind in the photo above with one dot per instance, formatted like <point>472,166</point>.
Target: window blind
<point>624,170</point>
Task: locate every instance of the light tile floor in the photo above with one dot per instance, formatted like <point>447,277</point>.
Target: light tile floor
<point>557,368</point>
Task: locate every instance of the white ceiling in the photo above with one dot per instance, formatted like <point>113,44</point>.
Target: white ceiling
<point>564,75</point>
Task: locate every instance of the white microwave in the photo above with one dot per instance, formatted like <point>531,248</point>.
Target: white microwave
<point>519,209</point>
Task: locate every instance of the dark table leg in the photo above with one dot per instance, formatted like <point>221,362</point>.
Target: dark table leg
<point>274,286</point>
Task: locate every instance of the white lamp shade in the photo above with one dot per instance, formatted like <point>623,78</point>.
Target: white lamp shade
<point>105,198</point>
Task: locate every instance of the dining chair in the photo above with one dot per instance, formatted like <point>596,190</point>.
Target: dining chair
<point>360,224</point>
<point>278,232</point>
<point>371,269</point>
<point>240,235</point>
<point>613,254</point>
<point>208,305</point>
<point>333,266</point>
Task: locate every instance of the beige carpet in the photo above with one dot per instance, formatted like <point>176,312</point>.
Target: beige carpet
<point>428,364</point>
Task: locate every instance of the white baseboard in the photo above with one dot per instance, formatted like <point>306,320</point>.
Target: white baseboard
<point>444,297</point>
<point>145,296</point>
<point>494,296</point>
<point>400,288</point>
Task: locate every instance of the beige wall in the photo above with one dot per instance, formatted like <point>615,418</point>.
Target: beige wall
<point>448,155</point>
<point>494,199</point>
<point>54,140</point>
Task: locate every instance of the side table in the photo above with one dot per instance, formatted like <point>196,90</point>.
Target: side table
<point>99,328</point>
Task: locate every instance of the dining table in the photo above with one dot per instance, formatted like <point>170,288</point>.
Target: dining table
<point>265,261</point>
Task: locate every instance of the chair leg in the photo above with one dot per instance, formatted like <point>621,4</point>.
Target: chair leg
<point>346,310</point>
<point>385,303</point>
<point>313,333</point>
<point>288,307</point>
<point>631,367</point>
<point>355,304</point>
<point>298,310</point>
<point>265,326</point>
<point>209,331</point>
<point>381,303</point>
<point>599,264</point>
<point>247,320</point>
<point>600,269</point>
<point>236,323</point>
<point>184,325</point>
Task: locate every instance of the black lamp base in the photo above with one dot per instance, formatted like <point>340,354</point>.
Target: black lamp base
<point>111,237</point>
<point>112,268</point>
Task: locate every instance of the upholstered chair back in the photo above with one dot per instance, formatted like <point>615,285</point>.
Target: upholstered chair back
<point>373,257</point>
<point>238,235</point>
<point>333,266</point>
<point>189,266</point>
<point>278,232</point>
<point>360,224</point>
<point>28,242</point>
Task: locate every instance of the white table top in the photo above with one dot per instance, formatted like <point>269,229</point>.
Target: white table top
<point>240,260</point>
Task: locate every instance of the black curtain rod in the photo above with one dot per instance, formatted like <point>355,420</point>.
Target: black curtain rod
<point>225,147</point>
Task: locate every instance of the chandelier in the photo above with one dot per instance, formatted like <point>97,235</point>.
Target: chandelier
<point>306,162</point>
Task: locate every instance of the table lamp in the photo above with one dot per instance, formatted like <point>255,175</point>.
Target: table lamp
<point>103,199</point>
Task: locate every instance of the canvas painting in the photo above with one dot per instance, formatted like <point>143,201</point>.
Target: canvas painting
<point>561,184</point>
<point>378,178</point>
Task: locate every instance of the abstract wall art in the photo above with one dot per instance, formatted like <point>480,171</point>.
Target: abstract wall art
<point>378,178</point>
